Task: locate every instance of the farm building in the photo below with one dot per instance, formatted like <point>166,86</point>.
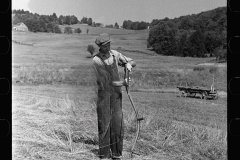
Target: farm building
<point>20,27</point>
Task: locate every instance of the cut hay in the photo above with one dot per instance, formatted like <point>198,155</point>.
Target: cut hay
<point>51,126</point>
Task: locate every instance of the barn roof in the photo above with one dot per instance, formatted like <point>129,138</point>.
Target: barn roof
<point>18,24</point>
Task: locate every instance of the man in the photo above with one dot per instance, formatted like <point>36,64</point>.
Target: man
<point>109,103</point>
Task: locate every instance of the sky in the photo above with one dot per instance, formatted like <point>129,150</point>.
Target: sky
<point>112,11</point>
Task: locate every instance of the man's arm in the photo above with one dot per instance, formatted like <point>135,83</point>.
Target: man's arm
<point>122,60</point>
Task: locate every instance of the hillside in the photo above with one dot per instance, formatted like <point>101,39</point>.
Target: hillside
<point>197,35</point>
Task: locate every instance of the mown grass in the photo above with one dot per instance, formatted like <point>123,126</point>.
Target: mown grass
<point>67,129</point>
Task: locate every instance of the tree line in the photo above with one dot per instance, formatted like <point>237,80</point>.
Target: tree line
<point>192,35</point>
<point>48,23</point>
<point>128,24</point>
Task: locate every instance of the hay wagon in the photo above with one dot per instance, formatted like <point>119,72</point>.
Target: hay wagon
<point>204,93</point>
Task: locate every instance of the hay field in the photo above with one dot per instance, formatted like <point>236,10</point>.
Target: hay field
<point>54,94</point>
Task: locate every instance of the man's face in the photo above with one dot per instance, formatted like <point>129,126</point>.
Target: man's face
<point>105,48</point>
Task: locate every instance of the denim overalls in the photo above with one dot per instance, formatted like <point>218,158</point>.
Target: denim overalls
<point>110,115</point>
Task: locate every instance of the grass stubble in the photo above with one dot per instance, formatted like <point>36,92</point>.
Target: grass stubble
<point>62,129</point>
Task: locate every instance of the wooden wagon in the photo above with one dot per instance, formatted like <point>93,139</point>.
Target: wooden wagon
<point>203,93</point>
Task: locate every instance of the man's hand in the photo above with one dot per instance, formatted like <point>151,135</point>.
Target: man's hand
<point>129,67</point>
<point>127,80</point>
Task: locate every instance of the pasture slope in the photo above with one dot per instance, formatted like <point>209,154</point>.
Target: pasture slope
<point>54,94</point>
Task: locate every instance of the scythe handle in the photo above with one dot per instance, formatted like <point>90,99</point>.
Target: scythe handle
<point>126,75</point>
<point>126,79</point>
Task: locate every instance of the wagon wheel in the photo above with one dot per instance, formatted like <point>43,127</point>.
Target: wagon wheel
<point>216,96</point>
<point>182,94</point>
<point>201,95</point>
<point>204,95</point>
<point>178,93</point>
<point>186,93</point>
<point>189,93</point>
<point>193,94</point>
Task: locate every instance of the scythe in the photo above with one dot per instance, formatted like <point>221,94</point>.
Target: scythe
<point>138,118</point>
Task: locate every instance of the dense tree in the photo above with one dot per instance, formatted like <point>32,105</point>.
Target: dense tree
<point>221,53</point>
<point>194,35</point>
<point>181,41</point>
<point>16,19</point>
<point>68,30</point>
<point>50,28</point>
<point>135,25</point>
<point>186,23</point>
<point>194,46</point>
<point>89,21</point>
<point>98,24</point>
<point>78,30</point>
<point>42,23</point>
<point>54,16</point>
<point>56,28</point>
<point>212,41</point>
<point>154,22</point>
<point>90,49</point>
<point>67,20</point>
<point>109,26</point>
<point>127,24</point>
<point>33,25</point>
<point>162,39</point>
<point>43,18</point>
<point>84,20</point>
<point>60,20</point>
<point>51,18</point>
<point>116,25</point>
<point>74,20</point>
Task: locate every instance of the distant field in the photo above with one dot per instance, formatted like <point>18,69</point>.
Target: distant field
<point>54,94</point>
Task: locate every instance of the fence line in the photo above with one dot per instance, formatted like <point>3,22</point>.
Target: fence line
<point>22,43</point>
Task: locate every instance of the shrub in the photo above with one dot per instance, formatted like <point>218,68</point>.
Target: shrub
<point>91,49</point>
<point>78,30</point>
<point>198,68</point>
<point>68,30</point>
<point>213,70</point>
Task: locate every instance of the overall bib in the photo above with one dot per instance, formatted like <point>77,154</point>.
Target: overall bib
<point>110,115</point>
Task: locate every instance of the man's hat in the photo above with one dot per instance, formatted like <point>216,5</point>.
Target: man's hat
<point>102,39</point>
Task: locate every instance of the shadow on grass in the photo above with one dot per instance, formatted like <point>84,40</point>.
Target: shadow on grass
<point>85,140</point>
<point>94,151</point>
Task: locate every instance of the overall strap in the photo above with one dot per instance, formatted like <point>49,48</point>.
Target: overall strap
<point>114,59</point>
<point>101,59</point>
